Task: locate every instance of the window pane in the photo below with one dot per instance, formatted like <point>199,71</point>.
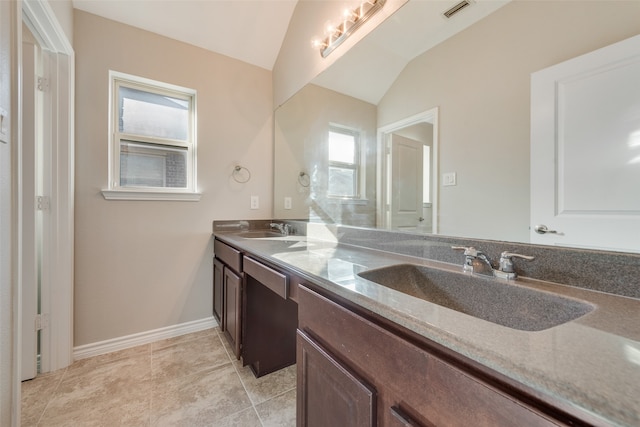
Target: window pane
<point>148,165</point>
<point>150,114</point>
<point>342,182</point>
<point>342,148</point>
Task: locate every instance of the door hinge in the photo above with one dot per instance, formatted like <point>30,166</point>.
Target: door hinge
<point>42,84</point>
<point>42,203</point>
<point>42,322</point>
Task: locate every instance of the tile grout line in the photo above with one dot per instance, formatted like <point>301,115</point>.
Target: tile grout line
<point>235,369</point>
<point>151,351</point>
<point>53,394</point>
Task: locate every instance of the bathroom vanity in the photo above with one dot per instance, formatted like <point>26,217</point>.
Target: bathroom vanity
<point>253,305</point>
<point>370,352</point>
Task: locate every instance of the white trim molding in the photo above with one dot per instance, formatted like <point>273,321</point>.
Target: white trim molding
<point>141,338</point>
<point>57,293</point>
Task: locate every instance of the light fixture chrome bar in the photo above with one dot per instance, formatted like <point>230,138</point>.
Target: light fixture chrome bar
<point>358,17</point>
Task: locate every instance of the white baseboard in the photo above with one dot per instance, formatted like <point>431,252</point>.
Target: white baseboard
<point>121,343</point>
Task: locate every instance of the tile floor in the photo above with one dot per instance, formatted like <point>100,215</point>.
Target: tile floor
<point>189,380</point>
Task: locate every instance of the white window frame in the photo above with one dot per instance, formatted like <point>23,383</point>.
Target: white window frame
<point>358,166</point>
<point>117,192</point>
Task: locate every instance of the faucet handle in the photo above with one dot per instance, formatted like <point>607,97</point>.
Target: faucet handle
<point>468,250</point>
<point>289,229</point>
<point>506,260</point>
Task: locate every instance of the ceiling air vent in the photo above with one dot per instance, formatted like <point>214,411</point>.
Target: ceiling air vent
<point>457,8</point>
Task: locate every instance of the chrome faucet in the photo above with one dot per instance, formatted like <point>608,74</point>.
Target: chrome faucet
<point>278,226</point>
<point>476,261</point>
<point>285,229</point>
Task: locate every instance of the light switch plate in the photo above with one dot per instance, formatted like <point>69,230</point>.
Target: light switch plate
<point>448,179</point>
<point>287,202</point>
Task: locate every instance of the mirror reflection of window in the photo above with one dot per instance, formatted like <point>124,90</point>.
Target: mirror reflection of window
<point>344,162</point>
<point>426,173</point>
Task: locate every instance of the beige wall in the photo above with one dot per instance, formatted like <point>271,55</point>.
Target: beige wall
<point>480,79</point>
<point>298,63</point>
<point>142,265</point>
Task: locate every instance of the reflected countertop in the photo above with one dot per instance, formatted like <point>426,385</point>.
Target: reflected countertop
<point>591,363</point>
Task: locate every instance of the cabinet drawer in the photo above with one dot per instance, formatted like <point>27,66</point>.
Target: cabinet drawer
<point>230,256</point>
<point>272,279</point>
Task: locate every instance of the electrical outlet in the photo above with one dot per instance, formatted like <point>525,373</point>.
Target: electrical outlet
<point>255,202</point>
<point>287,202</point>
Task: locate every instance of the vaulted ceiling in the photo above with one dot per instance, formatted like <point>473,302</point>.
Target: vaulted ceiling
<point>249,30</point>
<point>253,31</point>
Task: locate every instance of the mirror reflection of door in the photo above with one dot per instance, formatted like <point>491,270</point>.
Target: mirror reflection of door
<point>409,173</point>
<point>585,150</point>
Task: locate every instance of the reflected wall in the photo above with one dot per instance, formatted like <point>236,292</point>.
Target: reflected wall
<point>301,145</point>
<point>480,80</point>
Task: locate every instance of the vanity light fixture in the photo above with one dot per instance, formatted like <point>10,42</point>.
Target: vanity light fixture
<point>352,19</point>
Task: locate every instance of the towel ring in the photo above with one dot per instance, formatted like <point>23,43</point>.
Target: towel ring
<point>303,179</point>
<point>237,174</point>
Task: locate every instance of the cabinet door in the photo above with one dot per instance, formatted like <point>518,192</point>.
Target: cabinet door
<point>218,292</point>
<point>328,394</point>
<point>233,309</point>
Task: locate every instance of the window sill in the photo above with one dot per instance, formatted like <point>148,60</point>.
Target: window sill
<point>348,201</point>
<point>151,195</point>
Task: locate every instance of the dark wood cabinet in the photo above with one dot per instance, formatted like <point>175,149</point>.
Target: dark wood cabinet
<point>253,306</point>
<point>218,292</point>
<point>415,384</point>
<point>228,284</point>
<point>233,309</point>
<point>328,393</point>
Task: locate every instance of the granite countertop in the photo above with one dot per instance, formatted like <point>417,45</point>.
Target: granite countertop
<point>591,363</point>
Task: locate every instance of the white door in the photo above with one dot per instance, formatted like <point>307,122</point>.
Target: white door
<point>406,183</point>
<point>585,150</point>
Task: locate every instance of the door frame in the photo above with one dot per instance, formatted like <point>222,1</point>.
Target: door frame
<point>428,116</point>
<point>57,293</point>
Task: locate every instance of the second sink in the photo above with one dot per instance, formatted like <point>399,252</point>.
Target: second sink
<point>505,304</point>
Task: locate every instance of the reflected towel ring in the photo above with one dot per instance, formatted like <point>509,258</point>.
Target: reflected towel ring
<point>303,179</point>
<point>238,175</point>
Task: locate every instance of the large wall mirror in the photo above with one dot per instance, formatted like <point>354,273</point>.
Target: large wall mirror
<point>433,117</point>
